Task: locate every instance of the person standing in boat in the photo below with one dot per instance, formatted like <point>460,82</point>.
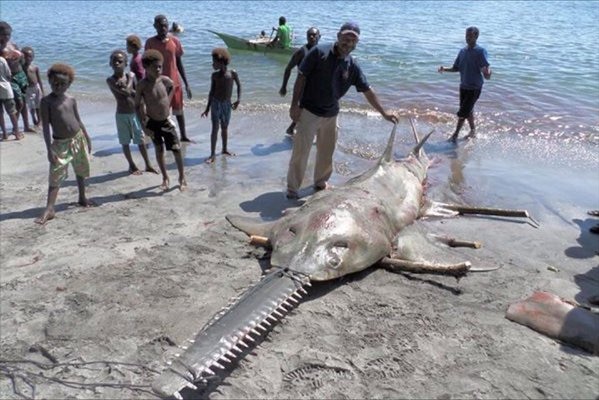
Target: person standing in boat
<point>283,37</point>
<point>312,38</point>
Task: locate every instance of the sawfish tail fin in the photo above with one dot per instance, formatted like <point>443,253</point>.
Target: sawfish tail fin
<point>417,150</point>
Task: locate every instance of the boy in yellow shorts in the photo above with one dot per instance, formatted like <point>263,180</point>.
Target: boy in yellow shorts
<point>67,142</point>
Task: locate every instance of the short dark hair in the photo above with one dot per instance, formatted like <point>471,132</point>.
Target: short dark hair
<point>282,20</point>
<point>473,29</point>
<point>27,49</point>
<point>61,69</point>
<point>116,52</point>
<point>221,54</point>
<point>134,41</point>
<point>5,26</point>
<point>313,29</point>
<point>159,18</point>
<point>150,56</point>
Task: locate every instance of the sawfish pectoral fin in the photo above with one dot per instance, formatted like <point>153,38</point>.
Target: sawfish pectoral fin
<point>251,226</point>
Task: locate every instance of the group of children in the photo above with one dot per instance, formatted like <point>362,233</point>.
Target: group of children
<point>20,85</point>
<point>143,106</point>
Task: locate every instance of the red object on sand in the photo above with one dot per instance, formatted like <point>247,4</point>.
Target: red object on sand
<point>549,314</point>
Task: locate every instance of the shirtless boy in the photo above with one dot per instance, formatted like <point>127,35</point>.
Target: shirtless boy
<point>35,88</point>
<point>156,91</point>
<point>122,85</point>
<point>67,142</point>
<point>219,98</point>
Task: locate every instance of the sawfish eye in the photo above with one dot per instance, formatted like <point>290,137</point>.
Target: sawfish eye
<point>336,252</point>
<point>334,261</point>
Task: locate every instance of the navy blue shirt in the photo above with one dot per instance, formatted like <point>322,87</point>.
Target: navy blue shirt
<point>469,62</point>
<point>328,78</point>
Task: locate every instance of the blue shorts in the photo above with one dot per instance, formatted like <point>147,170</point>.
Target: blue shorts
<point>128,128</point>
<point>221,112</point>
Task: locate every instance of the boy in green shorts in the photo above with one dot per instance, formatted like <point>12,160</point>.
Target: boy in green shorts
<point>122,85</point>
<point>67,141</point>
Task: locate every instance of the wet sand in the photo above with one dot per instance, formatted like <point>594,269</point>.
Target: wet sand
<point>126,282</point>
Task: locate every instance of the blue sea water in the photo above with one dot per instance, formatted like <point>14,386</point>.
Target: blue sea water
<point>544,54</point>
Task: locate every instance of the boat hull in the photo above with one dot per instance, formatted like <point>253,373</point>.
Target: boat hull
<point>258,45</point>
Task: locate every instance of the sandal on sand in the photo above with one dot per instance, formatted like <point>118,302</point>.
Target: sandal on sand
<point>594,213</point>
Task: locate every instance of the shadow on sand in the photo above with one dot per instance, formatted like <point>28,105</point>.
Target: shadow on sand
<point>32,213</point>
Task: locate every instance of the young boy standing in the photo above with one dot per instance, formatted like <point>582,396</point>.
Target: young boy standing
<point>156,91</point>
<point>122,85</point>
<point>7,96</point>
<point>7,101</point>
<point>35,89</point>
<point>69,142</point>
<point>219,98</point>
<point>133,48</point>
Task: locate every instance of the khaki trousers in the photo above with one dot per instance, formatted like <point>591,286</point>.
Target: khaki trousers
<point>325,129</point>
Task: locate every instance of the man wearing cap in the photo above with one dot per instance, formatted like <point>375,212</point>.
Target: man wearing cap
<point>325,75</point>
<point>171,49</point>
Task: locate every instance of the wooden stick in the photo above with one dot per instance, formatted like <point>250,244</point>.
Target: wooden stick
<point>452,242</point>
<point>396,264</point>
<point>492,211</point>
<point>488,211</point>
<point>259,241</point>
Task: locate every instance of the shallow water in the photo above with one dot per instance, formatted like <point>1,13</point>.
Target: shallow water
<point>538,117</point>
<point>543,54</point>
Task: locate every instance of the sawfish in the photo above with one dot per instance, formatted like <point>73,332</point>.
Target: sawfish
<point>335,232</point>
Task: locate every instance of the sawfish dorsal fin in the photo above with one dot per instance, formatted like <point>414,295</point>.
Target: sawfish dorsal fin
<point>388,154</point>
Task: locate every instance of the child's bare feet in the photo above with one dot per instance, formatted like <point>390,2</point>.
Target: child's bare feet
<point>151,169</point>
<point>210,160</point>
<point>229,153</point>
<point>186,139</point>
<point>471,135</point>
<point>18,135</point>
<point>4,136</point>
<point>135,171</point>
<point>182,184</point>
<point>45,217</point>
<point>164,186</point>
<point>30,130</point>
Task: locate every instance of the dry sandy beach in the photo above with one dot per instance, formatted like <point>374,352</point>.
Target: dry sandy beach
<point>94,303</point>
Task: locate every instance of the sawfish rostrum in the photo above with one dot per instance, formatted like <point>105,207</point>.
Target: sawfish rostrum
<point>334,233</point>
